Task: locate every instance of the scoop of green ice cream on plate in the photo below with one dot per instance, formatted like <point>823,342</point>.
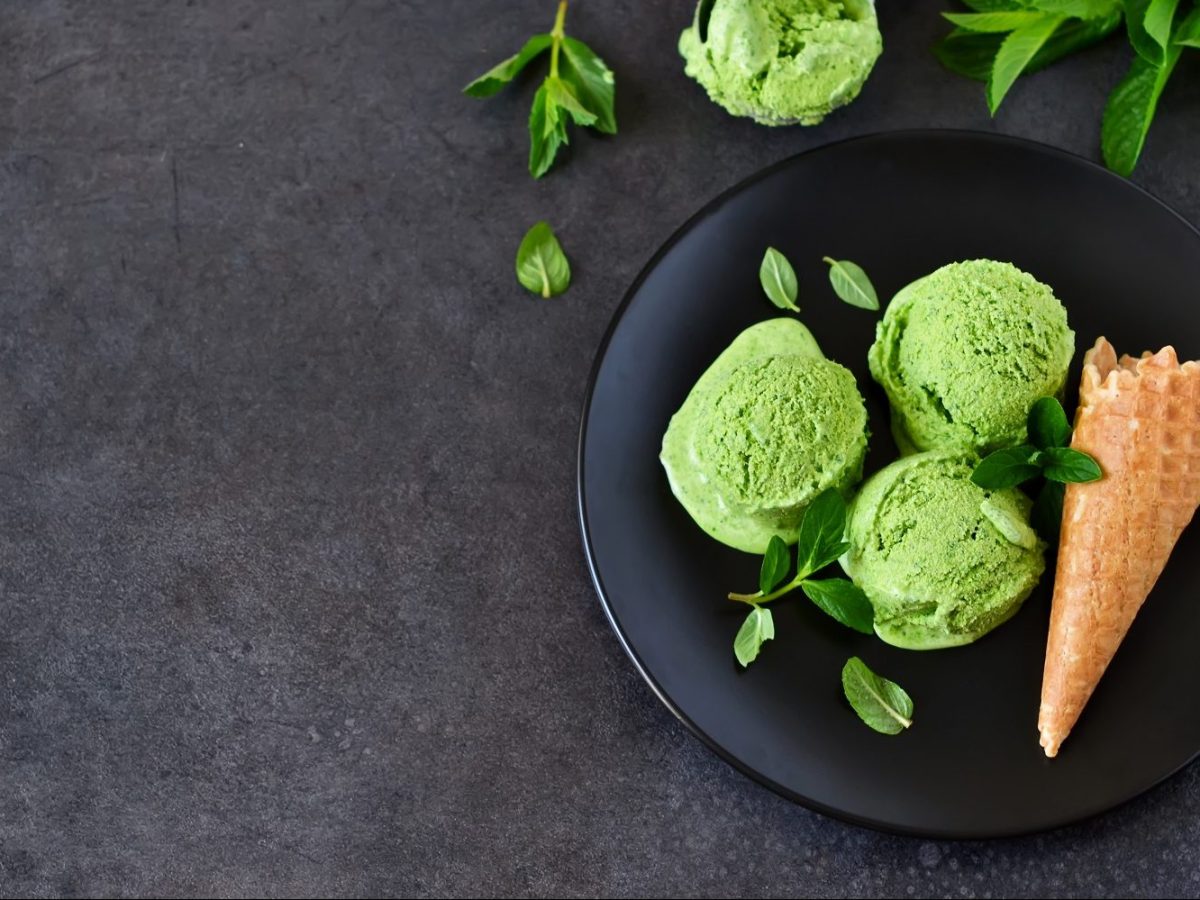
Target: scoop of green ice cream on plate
<point>964,352</point>
<point>942,560</point>
<point>770,425</point>
<point>782,62</point>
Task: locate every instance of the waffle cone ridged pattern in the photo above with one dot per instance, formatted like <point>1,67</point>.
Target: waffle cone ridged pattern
<point>1140,420</point>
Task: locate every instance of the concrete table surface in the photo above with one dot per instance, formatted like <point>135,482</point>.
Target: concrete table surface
<point>293,599</point>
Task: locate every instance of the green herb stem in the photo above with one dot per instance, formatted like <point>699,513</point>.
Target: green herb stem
<point>759,597</point>
<point>557,33</point>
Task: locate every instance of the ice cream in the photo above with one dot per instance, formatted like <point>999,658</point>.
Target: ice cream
<point>782,62</point>
<point>770,424</point>
<point>942,560</point>
<point>964,352</point>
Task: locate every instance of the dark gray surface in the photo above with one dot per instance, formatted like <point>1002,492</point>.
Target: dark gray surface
<point>292,590</point>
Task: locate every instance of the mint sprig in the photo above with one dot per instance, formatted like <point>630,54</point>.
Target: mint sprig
<point>580,88</point>
<point>820,543</point>
<point>1050,456</point>
<point>1003,39</point>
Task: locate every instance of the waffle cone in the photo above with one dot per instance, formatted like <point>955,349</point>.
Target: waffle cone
<point>1140,420</point>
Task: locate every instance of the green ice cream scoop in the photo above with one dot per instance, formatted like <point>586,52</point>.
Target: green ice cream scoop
<point>942,560</point>
<point>964,352</point>
<point>770,424</point>
<point>782,62</point>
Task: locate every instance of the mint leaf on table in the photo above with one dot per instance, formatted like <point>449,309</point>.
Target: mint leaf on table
<point>883,705</point>
<point>1188,32</point>
<point>758,627</point>
<point>542,266</point>
<point>593,82</point>
<point>1006,468</point>
<point>851,284</point>
<point>1069,466</point>
<point>1130,110</point>
<point>1048,425</point>
<point>1149,25</point>
<point>1015,53</point>
<point>775,565</point>
<point>580,87</point>
<point>843,600</point>
<point>993,22</point>
<point>491,81</point>
<point>972,53</point>
<point>778,280</point>
<point>992,5</point>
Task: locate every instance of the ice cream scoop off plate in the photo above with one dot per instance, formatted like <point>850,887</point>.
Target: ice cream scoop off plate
<point>900,205</point>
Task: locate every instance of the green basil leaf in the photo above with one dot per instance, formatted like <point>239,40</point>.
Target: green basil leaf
<point>822,532</point>
<point>1188,32</point>
<point>778,280</point>
<point>1069,466</point>
<point>851,283</point>
<point>1048,425</point>
<point>1048,511</point>
<point>1160,16</point>
<point>542,266</point>
<point>593,82</point>
<point>993,22</point>
<point>562,95</point>
<point>1015,54</point>
<point>882,704</point>
<point>777,561</point>
<point>758,627</point>
<point>547,132</point>
<point>1130,110</point>
<point>498,76</point>
<point>1006,468</point>
<point>843,600</point>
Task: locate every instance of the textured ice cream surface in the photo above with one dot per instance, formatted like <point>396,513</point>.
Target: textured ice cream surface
<point>782,62</point>
<point>770,424</point>
<point>942,560</point>
<point>964,352</point>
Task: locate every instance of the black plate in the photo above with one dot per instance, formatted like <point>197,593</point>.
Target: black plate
<point>900,205</point>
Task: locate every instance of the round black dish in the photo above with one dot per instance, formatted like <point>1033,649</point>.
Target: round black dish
<point>900,205</point>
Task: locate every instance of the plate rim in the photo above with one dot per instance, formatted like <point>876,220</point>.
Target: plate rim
<point>618,314</point>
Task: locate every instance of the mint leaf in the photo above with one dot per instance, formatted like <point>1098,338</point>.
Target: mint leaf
<point>822,530</point>
<point>1160,15</point>
<point>775,565</point>
<point>1048,511</point>
<point>1130,110</point>
<point>778,280</point>
<point>758,627</point>
<point>1015,54</point>
<point>592,80</point>
<point>1188,32</point>
<point>562,95</point>
<point>547,132</point>
<point>843,600</point>
<point>501,74</point>
<point>1006,468</point>
<point>542,266</point>
<point>992,5</point>
<point>851,284</point>
<point>972,54</point>
<point>1069,466</point>
<point>1146,45</point>
<point>1081,9</point>
<point>993,22</point>
<point>882,704</point>
<point>1048,425</point>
